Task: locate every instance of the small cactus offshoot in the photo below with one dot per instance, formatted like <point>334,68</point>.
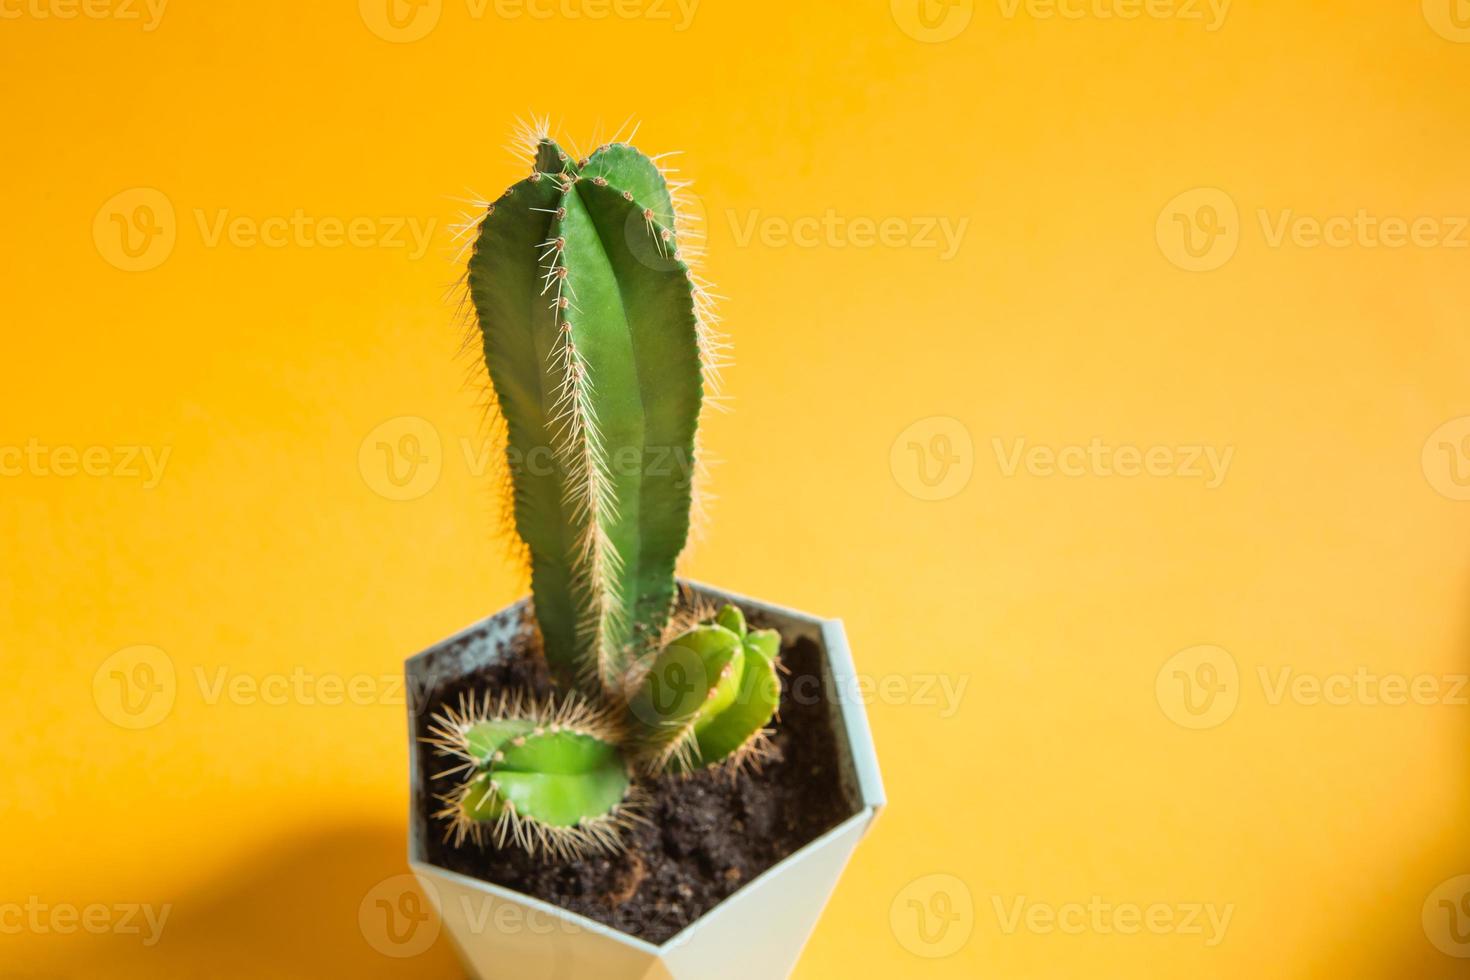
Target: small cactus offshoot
<point>601,351</point>
<point>542,777</point>
<point>709,694</point>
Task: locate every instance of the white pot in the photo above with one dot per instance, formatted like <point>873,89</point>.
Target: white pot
<point>757,932</point>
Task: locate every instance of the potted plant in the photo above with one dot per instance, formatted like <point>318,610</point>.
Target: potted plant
<point>625,775</point>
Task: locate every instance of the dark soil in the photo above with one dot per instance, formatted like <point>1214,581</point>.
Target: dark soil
<point>707,834</point>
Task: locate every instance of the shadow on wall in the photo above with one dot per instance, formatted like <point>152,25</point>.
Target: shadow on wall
<point>336,903</point>
<point>1423,899</point>
<point>1400,910</point>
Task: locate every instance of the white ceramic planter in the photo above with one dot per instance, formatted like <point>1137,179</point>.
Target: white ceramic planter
<point>755,934</point>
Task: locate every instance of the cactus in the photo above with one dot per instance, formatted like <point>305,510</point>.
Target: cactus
<point>592,325</point>
<point>708,694</point>
<point>601,353</point>
<point>547,778</point>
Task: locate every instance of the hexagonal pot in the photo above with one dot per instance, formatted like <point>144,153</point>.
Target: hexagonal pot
<point>759,931</point>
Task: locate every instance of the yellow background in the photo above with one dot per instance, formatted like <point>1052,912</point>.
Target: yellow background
<point>1333,543</point>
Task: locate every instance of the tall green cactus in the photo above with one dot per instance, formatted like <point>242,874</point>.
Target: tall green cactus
<point>591,325</point>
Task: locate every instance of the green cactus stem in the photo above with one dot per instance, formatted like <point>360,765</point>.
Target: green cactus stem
<point>596,336</point>
<point>547,779</point>
<point>708,695</point>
